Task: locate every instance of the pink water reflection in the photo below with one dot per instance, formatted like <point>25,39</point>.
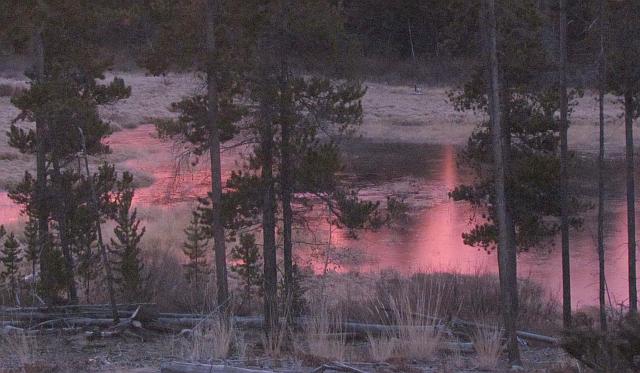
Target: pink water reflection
<point>175,177</point>
<point>9,211</point>
<point>432,241</point>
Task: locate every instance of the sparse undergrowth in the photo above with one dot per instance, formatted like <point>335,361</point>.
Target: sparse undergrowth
<point>419,306</point>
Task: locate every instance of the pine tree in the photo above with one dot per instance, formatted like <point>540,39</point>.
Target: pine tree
<point>31,250</point>
<point>203,36</point>
<point>64,94</point>
<point>10,258</point>
<point>195,248</point>
<point>85,247</point>
<point>248,264</point>
<point>125,247</point>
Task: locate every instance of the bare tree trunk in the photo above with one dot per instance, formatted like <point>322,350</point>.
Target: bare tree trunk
<point>41,173</point>
<point>504,246</point>
<point>564,159</point>
<point>214,151</point>
<point>601,192</point>
<point>61,216</point>
<point>101,246</point>
<point>286,182</point>
<point>631,208</point>
<point>269,227</point>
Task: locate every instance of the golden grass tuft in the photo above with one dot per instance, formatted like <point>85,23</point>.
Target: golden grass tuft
<point>324,337</point>
<point>211,340</point>
<point>382,348</point>
<point>488,344</point>
<point>415,312</point>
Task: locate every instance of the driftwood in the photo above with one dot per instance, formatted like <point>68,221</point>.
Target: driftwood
<point>178,367</point>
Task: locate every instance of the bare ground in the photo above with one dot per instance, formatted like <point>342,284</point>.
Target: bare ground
<point>67,354</point>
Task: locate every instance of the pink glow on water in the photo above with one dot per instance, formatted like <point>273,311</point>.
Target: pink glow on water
<point>9,211</point>
<point>431,241</point>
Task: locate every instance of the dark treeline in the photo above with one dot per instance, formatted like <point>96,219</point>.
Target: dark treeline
<point>392,32</point>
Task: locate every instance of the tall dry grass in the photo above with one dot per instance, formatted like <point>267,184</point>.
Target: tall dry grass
<point>489,345</point>
<point>212,339</point>
<point>382,348</point>
<point>20,349</point>
<point>415,311</point>
<point>323,332</point>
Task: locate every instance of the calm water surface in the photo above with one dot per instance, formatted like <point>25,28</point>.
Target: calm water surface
<point>431,240</point>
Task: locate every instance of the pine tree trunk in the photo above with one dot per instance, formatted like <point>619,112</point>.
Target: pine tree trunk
<point>601,191</point>
<point>41,174</point>
<point>631,210</point>
<point>269,227</point>
<point>504,245</point>
<point>61,217</point>
<point>564,179</point>
<point>286,167</point>
<point>103,250</point>
<point>214,151</point>
<point>286,181</point>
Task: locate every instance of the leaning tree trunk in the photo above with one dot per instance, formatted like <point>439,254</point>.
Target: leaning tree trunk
<point>269,228</point>
<point>631,208</point>
<point>601,192</point>
<point>217,224</point>
<point>564,159</point>
<point>504,246</point>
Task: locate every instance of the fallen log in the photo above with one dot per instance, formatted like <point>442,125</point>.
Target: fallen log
<point>43,316</point>
<point>122,307</point>
<point>74,321</point>
<point>519,333</point>
<point>12,330</point>
<point>338,367</point>
<point>257,322</point>
<point>179,367</point>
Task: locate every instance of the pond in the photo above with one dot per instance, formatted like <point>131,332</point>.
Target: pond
<point>429,240</point>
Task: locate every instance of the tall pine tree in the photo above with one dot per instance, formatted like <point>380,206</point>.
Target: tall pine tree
<point>10,258</point>
<point>195,249</point>
<point>125,247</point>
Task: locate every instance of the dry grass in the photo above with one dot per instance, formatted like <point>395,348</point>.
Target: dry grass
<point>419,331</point>
<point>211,340</point>
<point>20,348</point>
<point>488,344</point>
<point>382,348</point>
<point>323,336</point>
